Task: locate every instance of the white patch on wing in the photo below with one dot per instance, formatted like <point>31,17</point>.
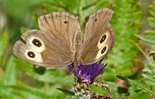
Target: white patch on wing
<point>101,45</point>
<point>37,58</point>
<point>37,49</point>
<point>100,54</point>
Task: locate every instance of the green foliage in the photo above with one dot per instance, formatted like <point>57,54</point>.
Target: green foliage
<point>19,79</point>
<point>150,33</point>
<point>126,23</point>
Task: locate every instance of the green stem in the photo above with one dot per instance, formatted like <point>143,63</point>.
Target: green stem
<point>90,5</point>
<point>80,15</point>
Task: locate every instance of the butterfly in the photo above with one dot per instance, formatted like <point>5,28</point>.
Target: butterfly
<point>59,41</point>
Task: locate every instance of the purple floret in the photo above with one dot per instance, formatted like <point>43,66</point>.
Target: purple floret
<point>87,73</point>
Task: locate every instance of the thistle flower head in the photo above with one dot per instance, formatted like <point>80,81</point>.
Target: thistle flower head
<point>87,73</point>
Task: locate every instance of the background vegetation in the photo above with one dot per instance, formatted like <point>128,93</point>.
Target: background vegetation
<point>131,61</point>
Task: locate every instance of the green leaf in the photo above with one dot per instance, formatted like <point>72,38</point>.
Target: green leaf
<point>149,77</point>
<point>3,43</point>
<point>150,32</point>
<point>142,95</point>
<point>23,89</point>
<point>24,66</point>
<point>122,78</point>
<point>19,15</point>
<point>5,94</point>
<point>151,21</point>
<point>149,40</point>
<point>39,70</point>
<point>141,85</point>
<point>66,91</point>
<point>11,72</point>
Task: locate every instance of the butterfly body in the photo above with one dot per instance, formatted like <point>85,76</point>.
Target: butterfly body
<point>59,41</point>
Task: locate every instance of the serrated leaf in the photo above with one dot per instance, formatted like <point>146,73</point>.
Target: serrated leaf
<point>149,40</point>
<point>151,21</point>
<point>149,77</point>
<point>150,32</point>
<point>142,86</point>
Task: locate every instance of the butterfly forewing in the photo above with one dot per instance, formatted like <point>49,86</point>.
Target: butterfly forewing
<point>60,29</point>
<point>99,37</point>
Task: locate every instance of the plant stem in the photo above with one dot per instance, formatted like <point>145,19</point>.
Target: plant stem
<point>80,14</point>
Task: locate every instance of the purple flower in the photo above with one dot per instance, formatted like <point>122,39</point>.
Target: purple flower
<point>87,73</point>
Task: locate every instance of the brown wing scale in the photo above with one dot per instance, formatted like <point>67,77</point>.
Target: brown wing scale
<point>99,37</point>
<point>53,45</point>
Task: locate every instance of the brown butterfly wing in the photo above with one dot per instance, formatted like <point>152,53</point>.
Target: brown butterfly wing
<point>57,38</point>
<point>99,37</point>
